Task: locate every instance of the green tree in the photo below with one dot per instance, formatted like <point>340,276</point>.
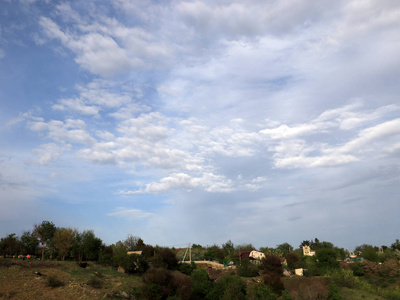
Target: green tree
<point>10,245</point>
<point>86,245</point>
<point>131,242</point>
<point>327,258</point>
<point>29,243</point>
<point>63,240</point>
<point>201,283</point>
<point>229,249</point>
<point>228,287</point>
<point>45,232</point>
<point>285,248</point>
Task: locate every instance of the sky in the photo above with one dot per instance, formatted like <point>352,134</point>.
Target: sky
<point>181,122</point>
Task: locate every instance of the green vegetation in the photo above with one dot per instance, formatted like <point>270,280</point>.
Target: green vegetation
<point>64,263</point>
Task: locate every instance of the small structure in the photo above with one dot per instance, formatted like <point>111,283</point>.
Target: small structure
<point>299,272</point>
<point>135,252</point>
<point>307,251</point>
<point>257,255</point>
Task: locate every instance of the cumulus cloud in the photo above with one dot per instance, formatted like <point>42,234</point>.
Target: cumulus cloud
<point>209,181</point>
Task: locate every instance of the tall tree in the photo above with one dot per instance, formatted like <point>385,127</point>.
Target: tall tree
<point>10,245</point>
<point>131,242</point>
<point>45,232</point>
<point>63,239</point>
<point>29,242</point>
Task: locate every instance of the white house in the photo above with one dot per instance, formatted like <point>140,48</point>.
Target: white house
<point>307,251</point>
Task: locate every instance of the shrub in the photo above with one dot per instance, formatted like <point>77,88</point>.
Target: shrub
<point>247,269</point>
<point>274,281</point>
<point>186,268</point>
<point>389,268</point>
<point>201,283</point>
<point>334,292</point>
<point>260,291</point>
<point>166,258</point>
<point>344,278</point>
<point>357,269</point>
<point>132,263</point>
<point>53,281</point>
<point>228,287</point>
<point>164,283</point>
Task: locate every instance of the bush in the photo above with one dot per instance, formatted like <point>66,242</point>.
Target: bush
<point>343,278</point>
<point>228,287</point>
<point>201,283</point>
<point>166,258</point>
<point>247,269</point>
<point>186,269</point>
<point>389,268</point>
<point>357,269</point>
<point>54,281</point>
<point>260,291</point>
<point>164,283</point>
<point>131,263</point>
<point>334,292</point>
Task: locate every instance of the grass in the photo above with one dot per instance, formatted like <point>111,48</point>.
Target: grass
<point>62,280</point>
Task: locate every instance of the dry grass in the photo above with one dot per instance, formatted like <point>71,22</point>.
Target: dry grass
<point>19,281</point>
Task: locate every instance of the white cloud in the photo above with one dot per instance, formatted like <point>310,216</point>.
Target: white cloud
<point>47,153</point>
<point>130,214</point>
<point>209,181</point>
<point>70,131</point>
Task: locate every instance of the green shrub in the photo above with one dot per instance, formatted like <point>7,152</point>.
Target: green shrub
<point>357,269</point>
<point>260,291</point>
<point>247,269</point>
<point>389,268</point>
<point>54,281</point>
<point>162,283</point>
<point>334,292</point>
<point>228,287</point>
<point>343,278</point>
<point>201,283</point>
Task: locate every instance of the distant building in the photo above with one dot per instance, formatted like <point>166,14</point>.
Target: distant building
<point>250,255</point>
<point>307,251</point>
<point>135,252</point>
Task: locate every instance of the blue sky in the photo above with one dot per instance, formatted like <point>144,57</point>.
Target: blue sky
<point>202,121</point>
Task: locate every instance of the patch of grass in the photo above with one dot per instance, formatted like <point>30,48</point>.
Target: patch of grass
<point>95,283</point>
<point>53,281</point>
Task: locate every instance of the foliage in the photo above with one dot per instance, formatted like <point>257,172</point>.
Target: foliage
<point>247,269</point>
<point>343,278</point>
<point>327,259</point>
<point>201,283</point>
<point>131,263</point>
<point>162,283</point>
<point>389,268</point>
<point>334,292</point>
<point>271,267</point>
<point>285,248</point>
<point>166,258</point>
<point>260,291</point>
<point>214,253</point>
<point>395,245</point>
<point>292,259</point>
<point>9,245</point>
<point>45,232</point>
<point>229,249</point>
<point>86,245</point>
<point>228,287</point>
<point>63,239</point>
<point>106,255</point>
<point>29,243</point>
<point>370,253</point>
<point>357,269</point>
<point>186,268</point>
<point>131,242</point>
